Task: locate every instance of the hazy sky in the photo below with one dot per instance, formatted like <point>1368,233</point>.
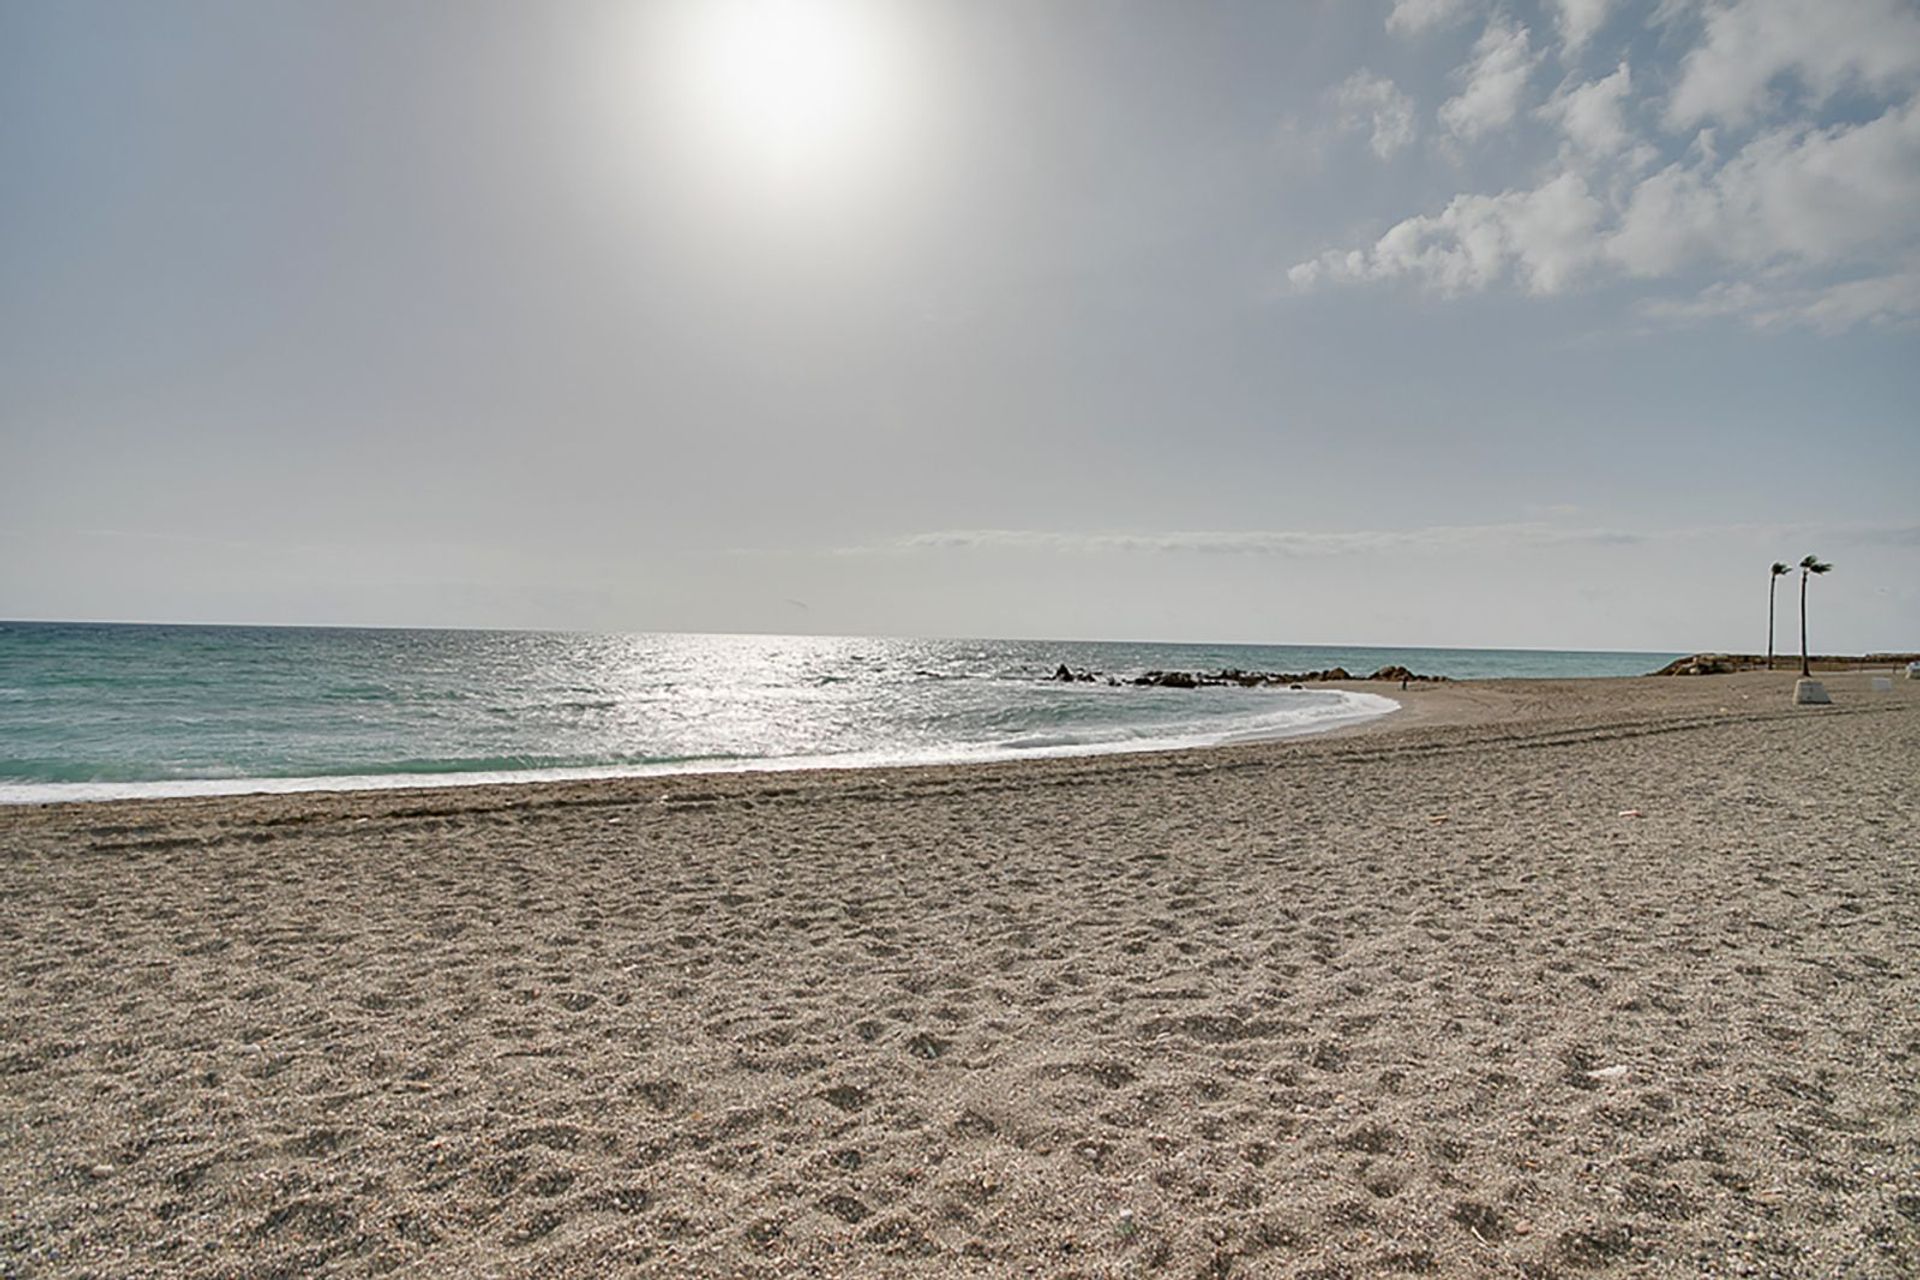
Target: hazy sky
<point>1428,322</point>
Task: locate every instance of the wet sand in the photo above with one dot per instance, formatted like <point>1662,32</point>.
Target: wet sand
<point>1534,978</point>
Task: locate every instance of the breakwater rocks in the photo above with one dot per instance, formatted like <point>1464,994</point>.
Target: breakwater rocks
<point>1064,674</point>
<point>1720,664</point>
<point>1705,664</point>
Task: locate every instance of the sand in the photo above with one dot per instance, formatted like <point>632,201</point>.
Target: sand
<point>1570,978</point>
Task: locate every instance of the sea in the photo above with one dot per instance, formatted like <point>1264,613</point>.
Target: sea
<point>95,711</point>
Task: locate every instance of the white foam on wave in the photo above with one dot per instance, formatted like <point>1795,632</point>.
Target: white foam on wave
<point>1345,709</point>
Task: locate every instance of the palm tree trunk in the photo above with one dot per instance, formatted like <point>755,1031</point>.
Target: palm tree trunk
<point>1772,582</point>
<point>1805,671</point>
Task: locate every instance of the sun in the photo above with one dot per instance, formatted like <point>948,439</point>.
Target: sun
<point>797,90</point>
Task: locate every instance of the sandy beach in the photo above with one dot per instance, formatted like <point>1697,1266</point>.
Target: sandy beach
<point>1531,979</point>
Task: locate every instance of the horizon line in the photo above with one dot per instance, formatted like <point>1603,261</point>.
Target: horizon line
<point>834,635</point>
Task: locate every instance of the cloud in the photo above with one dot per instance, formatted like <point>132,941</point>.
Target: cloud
<point>1579,20</point>
<point>1367,101</point>
<point>1274,542</point>
<point>1885,299</point>
<point>1441,540</point>
<point>1544,238</point>
<point>1494,82</point>
<point>1413,17</point>
<point>1592,115</point>
<point>1889,299</point>
<point>1793,196</point>
<point>1750,44</point>
<point>1804,222</point>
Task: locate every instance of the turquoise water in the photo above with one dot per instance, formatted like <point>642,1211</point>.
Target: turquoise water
<point>92,711</point>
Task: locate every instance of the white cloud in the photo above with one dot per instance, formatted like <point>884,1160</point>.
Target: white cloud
<point>1307,543</point>
<point>1802,223</point>
<point>1544,237</point>
<point>1893,298</point>
<point>1495,82</point>
<point>1367,101</point>
<point>1412,17</point>
<point>1283,542</point>
<point>1578,21</point>
<point>1592,115</point>
<point>1793,196</point>
<point>1887,299</point>
<point>1828,47</point>
<point>1673,218</point>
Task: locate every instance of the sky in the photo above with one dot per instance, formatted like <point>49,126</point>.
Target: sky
<point>1406,322</point>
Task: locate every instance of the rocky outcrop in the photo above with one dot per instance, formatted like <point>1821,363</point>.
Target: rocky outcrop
<point>1702,664</point>
<point>1406,677</point>
<point>1715,664</point>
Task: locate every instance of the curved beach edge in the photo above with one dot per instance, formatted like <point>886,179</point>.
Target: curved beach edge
<point>1480,709</point>
<point>1358,706</point>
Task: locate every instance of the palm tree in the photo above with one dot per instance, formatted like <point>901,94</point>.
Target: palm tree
<point>1808,565</point>
<point>1774,581</point>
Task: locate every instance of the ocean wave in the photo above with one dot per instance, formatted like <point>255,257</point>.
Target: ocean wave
<point>1345,708</point>
<point>112,710</point>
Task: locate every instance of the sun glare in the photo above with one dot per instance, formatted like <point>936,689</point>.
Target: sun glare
<point>798,90</point>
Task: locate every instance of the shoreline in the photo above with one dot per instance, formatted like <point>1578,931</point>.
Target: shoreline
<point>1362,709</point>
<point>1567,976</point>
<point>1463,703</point>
